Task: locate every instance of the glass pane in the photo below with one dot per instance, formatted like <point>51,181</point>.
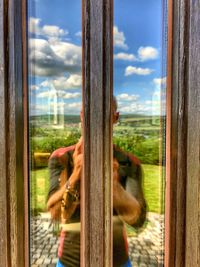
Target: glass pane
<point>54,41</point>
<point>139,132</point>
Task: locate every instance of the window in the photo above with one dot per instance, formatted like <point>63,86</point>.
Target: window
<point>182,135</point>
<point>140,41</point>
<point>55,81</point>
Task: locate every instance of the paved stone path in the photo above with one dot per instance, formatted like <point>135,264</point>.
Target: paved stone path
<point>145,248</point>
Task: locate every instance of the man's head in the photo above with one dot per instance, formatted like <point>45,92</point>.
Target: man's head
<point>115,113</point>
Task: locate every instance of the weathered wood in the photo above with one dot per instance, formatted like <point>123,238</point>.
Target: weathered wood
<point>183,151</point>
<point>108,133</point>
<point>192,252</point>
<point>16,133</point>
<point>26,154</point>
<point>178,137</point>
<point>97,98</point>
<point>4,211</point>
<point>12,141</point>
<point>169,231</point>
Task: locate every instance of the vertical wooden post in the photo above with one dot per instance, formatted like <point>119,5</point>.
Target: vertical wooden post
<point>183,188</point>
<point>192,251</point>
<point>4,209</point>
<point>176,135</point>
<point>97,99</point>
<point>12,223</point>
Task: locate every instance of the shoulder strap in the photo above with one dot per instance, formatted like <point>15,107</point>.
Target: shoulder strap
<point>61,151</point>
<point>124,157</point>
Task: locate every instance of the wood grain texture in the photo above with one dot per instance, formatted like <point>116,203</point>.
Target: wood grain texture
<point>183,192</point>
<point>178,137</point>
<point>169,255</point>
<point>193,144</point>
<point>26,154</point>
<point>16,133</point>
<point>4,223</point>
<point>12,180</point>
<point>97,98</point>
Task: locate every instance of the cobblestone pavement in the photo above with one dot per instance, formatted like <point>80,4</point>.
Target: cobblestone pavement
<point>145,248</point>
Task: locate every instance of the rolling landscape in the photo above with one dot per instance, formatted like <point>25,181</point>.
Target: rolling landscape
<point>137,134</point>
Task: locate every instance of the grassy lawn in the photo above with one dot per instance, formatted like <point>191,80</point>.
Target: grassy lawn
<point>39,186</point>
<point>152,188</point>
<point>153,184</point>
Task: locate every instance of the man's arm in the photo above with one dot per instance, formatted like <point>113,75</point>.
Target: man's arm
<point>55,198</point>
<point>129,204</point>
<point>58,195</point>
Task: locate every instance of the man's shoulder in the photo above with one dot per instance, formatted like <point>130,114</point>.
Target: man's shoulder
<point>62,151</point>
<point>122,155</point>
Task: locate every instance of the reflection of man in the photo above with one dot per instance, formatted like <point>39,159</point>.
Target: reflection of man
<point>128,201</point>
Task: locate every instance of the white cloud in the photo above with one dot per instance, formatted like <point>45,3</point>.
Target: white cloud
<point>51,93</point>
<point>77,105</point>
<point>53,31</point>
<point>73,108</point>
<point>119,39</point>
<point>130,70</point>
<point>152,102</point>
<point>132,108</point>
<point>140,108</point>
<point>49,55</point>
<point>130,104</point>
<point>156,105</point>
<point>159,81</point>
<point>34,87</point>
<point>33,25</point>
<point>78,34</point>
<point>46,94</point>
<point>47,30</point>
<point>134,104</point>
<point>72,95</point>
<point>147,53</point>
<point>143,54</point>
<point>46,83</point>
<point>74,81</point>
<point>54,59</point>
<point>127,97</point>
<point>61,107</point>
<point>125,56</point>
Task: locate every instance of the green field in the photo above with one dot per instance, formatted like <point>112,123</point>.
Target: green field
<point>152,188</point>
<point>39,185</point>
<point>138,134</point>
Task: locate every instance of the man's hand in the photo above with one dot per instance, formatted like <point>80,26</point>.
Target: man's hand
<point>55,199</point>
<point>126,205</point>
<point>78,162</point>
<point>115,170</point>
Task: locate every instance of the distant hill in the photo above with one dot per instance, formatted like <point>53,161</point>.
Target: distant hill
<point>134,116</point>
<point>49,118</point>
<point>69,119</point>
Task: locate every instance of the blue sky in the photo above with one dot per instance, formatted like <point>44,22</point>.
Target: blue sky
<point>55,56</point>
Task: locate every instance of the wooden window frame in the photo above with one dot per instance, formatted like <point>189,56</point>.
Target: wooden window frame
<point>96,249</point>
<point>183,134</point>
<point>13,136</point>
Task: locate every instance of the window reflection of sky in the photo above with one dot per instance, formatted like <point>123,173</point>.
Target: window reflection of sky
<point>55,54</point>
<point>55,84</point>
